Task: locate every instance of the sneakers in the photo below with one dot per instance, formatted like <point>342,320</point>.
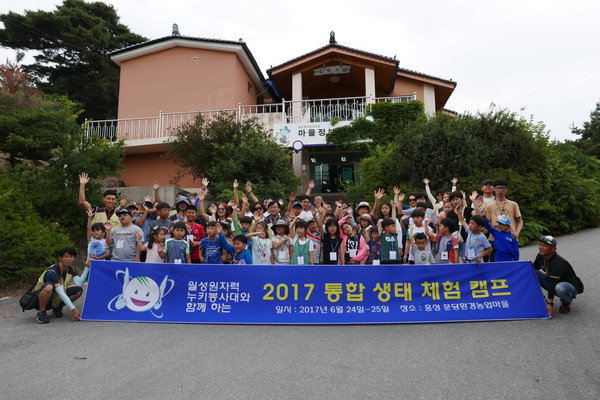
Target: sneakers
<point>57,312</point>
<point>564,308</point>
<point>42,318</point>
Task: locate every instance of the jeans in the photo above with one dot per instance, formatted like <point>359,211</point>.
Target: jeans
<point>566,291</point>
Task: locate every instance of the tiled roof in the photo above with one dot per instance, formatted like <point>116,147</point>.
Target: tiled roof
<point>410,71</point>
<point>333,46</point>
<point>166,38</point>
<point>385,58</point>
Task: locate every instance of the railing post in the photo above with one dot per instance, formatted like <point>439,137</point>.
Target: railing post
<point>160,124</point>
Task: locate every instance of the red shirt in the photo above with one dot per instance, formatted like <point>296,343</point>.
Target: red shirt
<point>197,231</point>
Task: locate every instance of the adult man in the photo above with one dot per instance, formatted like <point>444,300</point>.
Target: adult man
<point>126,239</point>
<point>101,214</point>
<point>273,208</point>
<point>556,275</point>
<point>503,206</point>
<point>51,287</point>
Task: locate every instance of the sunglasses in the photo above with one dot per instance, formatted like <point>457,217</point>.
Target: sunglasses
<point>412,199</point>
<point>258,209</point>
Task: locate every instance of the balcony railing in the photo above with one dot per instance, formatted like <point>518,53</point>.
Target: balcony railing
<point>287,112</point>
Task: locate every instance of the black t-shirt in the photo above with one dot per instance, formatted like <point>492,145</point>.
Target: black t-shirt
<point>331,246</point>
<point>555,266</point>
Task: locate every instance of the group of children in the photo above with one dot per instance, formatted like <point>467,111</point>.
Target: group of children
<point>309,231</point>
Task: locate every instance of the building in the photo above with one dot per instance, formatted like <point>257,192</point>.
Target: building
<point>167,81</point>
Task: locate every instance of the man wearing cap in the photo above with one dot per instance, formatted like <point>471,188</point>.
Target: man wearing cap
<point>101,214</point>
<point>126,239</point>
<point>555,275</point>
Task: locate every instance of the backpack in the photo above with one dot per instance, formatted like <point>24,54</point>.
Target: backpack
<point>579,282</point>
<point>28,299</point>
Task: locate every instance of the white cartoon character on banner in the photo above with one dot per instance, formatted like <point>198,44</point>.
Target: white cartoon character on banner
<point>140,293</point>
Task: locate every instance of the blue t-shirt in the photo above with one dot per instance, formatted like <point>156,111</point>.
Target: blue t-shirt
<point>245,257</point>
<point>213,250</point>
<point>507,247</point>
<point>475,244</point>
<point>146,225</point>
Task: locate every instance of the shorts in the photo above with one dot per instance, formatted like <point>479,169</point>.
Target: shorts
<point>73,290</point>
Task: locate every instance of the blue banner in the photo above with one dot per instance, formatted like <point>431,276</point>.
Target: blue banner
<point>248,294</point>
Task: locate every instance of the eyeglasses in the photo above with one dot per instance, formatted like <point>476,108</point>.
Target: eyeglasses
<point>500,188</point>
<point>221,209</point>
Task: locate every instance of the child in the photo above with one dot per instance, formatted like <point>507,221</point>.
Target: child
<point>419,252</point>
<point>163,221</point>
<point>353,245</point>
<point>126,239</point>
<point>177,250</point>
<point>391,246</point>
<point>261,244</point>
<point>507,247</point>
<point>211,250</point>
<point>331,243</point>
<point>313,234</point>
<point>476,246</point>
<point>195,233</point>
<point>239,253</point>
<point>282,247</point>
<point>156,243</point>
<point>303,247</point>
<point>417,217</point>
<point>374,245</point>
<point>96,235</point>
<point>447,244</point>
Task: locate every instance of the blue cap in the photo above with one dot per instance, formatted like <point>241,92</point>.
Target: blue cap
<point>504,220</point>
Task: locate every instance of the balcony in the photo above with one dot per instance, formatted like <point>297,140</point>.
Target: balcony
<point>274,117</point>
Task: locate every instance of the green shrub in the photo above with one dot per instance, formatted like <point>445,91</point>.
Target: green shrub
<point>29,244</point>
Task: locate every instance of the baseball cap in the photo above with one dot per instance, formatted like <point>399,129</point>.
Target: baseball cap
<point>123,212</point>
<point>486,182</point>
<point>504,220</point>
<point>548,240</point>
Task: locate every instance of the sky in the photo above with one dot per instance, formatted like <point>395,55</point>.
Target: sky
<point>540,59</point>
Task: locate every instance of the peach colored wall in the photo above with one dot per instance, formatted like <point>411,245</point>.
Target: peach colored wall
<point>241,89</point>
<point>172,81</point>
<point>143,169</point>
<point>406,87</point>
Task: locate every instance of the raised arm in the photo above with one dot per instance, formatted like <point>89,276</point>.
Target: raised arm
<point>378,194</point>
<point>311,186</point>
<point>458,211</point>
<point>454,182</point>
<point>90,215</point>
<point>249,191</point>
<point>430,196</point>
<point>200,198</point>
<point>83,180</point>
<point>236,196</point>
<point>156,186</point>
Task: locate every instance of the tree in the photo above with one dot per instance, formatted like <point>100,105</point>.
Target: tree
<point>45,149</point>
<point>590,134</point>
<point>73,45</point>
<point>13,80</point>
<point>223,149</point>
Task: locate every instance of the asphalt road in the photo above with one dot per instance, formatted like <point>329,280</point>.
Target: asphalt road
<point>532,359</point>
